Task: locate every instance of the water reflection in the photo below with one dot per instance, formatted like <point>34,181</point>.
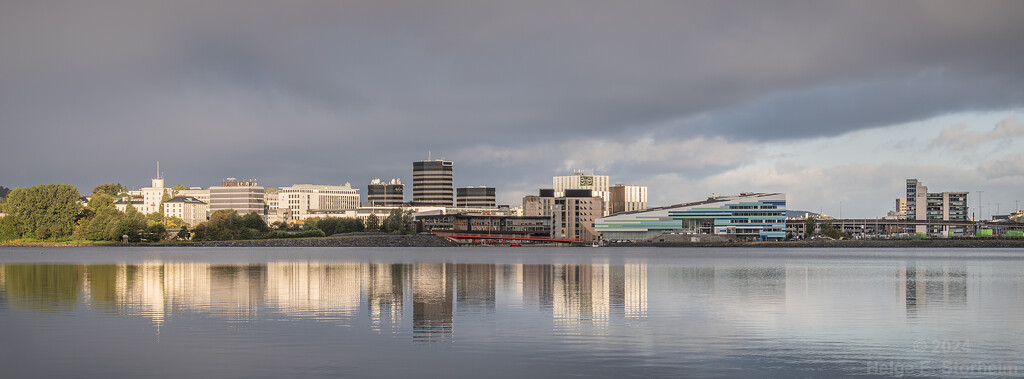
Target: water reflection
<point>575,295</point>
<point>577,298</point>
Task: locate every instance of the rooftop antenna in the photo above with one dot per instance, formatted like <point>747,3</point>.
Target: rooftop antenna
<point>428,155</point>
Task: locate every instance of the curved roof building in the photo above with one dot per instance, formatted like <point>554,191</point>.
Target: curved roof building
<point>747,216</point>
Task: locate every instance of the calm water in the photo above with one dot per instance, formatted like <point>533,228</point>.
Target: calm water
<point>495,312</point>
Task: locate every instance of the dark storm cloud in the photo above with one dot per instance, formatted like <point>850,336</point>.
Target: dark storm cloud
<point>329,91</point>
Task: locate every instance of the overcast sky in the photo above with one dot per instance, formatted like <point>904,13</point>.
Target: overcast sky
<point>834,103</point>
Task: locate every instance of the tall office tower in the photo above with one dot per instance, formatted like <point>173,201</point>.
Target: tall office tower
<point>432,183</point>
<point>627,197</point>
<point>476,197</point>
<point>243,197</point>
<point>597,184</point>
<point>381,194</point>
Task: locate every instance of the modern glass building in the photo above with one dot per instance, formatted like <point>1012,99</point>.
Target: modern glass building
<point>748,216</point>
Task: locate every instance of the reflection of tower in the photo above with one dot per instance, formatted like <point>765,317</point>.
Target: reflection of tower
<point>384,294</point>
<point>475,287</point>
<point>635,283</point>
<point>581,294</point>
<point>924,286</point>
<point>510,279</point>
<point>313,289</point>
<point>237,291</point>
<point>432,301</point>
<point>538,284</point>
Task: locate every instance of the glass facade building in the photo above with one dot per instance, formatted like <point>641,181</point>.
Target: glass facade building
<point>748,216</point>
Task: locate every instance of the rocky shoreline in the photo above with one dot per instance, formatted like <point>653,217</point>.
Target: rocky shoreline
<point>341,240</point>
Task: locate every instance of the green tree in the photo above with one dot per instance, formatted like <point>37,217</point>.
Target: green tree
<point>49,210</point>
<point>372,223</point>
<point>254,221</point>
<point>810,224</point>
<point>397,222</point>
<point>184,234</point>
<point>111,189</point>
<point>830,231</point>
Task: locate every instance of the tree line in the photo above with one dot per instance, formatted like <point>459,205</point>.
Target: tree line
<point>55,212</point>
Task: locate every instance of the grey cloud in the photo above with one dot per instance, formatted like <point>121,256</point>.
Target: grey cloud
<point>957,137</point>
<point>344,91</point>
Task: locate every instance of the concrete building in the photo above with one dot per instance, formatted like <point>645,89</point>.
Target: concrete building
<point>189,209</point>
<point>597,184</point>
<point>432,183</point>
<point>476,224</point>
<point>381,194</point>
<point>243,197</point>
<point>945,206</point>
<point>627,198</point>
<point>197,192</point>
<point>136,202</point>
<point>542,204</point>
<point>747,216</point>
<point>575,213</point>
<point>476,197</point>
<point>306,200</point>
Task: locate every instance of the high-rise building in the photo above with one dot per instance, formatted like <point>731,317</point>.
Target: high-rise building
<point>243,197</point>
<point>924,205</point>
<point>432,183</point>
<point>597,184</point>
<point>627,198</point>
<point>381,194</point>
<point>576,212</point>
<point>476,197</point>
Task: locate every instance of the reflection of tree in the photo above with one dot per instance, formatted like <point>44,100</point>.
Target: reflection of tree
<point>103,285</point>
<point>47,285</point>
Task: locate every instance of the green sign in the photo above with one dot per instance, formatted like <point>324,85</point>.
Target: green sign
<point>586,181</point>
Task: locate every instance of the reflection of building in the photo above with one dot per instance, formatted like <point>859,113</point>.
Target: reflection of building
<point>313,289</point>
<point>384,294</point>
<point>432,301</point>
<point>581,296</point>
<point>921,286</point>
<point>475,286</point>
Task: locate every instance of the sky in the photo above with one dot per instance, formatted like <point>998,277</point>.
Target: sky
<point>834,103</point>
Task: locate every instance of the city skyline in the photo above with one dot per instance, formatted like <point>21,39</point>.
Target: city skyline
<point>835,105</point>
